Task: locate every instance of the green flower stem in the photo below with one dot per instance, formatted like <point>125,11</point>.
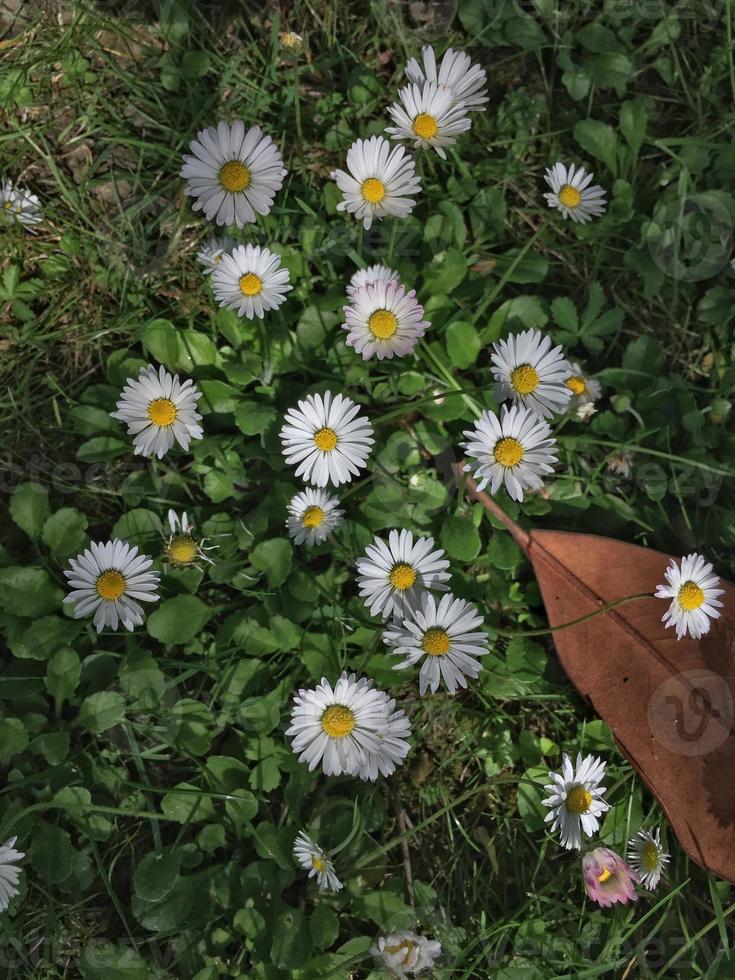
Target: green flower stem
<point>573,622</point>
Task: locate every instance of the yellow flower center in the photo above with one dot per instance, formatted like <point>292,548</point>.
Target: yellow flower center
<point>579,800</point>
<point>234,177</point>
<point>250,284</point>
<point>649,856</point>
<point>435,642</point>
<point>402,576</point>
<point>338,721</point>
<point>110,585</point>
<point>425,126</point>
<point>508,451</point>
<point>605,876</point>
<point>382,324</point>
<point>325,439</point>
<point>569,196</point>
<point>317,862</point>
<point>373,190</point>
<point>690,596</point>
<point>577,385</point>
<point>162,411</point>
<point>524,379</point>
<point>182,550</point>
<point>218,258</point>
<point>313,517</point>
<point>399,948</point>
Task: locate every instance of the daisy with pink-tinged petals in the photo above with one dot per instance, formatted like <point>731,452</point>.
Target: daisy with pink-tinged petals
<point>608,878</point>
<point>384,320</point>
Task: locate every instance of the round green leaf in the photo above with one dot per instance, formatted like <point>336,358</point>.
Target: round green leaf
<point>102,710</point>
<point>156,875</point>
<point>65,531</point>
<point>29,507</point>
<point>178,620</point>
<point>460,538</point>
<point>274,558</point>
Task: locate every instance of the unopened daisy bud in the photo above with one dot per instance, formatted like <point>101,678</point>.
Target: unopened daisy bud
<point>379,181</point>
<point>692,588</point>
<point>607,878</point>
<point>572,195</point>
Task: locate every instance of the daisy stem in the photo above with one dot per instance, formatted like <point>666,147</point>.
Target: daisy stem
<point>509,272</point>
<point>451,381</point>
<point>574,622</point>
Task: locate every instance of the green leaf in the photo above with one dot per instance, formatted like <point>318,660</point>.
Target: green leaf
<point>101,711</point>
<point>599,140</point>
<point>185,802</point>
<point>26,591</point>
<point>139,527</point>
<point>29,508</point>
<point>252,418</point>
<point>274,558</point>
<point>633,124</point>
<point>460,538</point>
<point>65,532</point>
<point>463,344</point>
<point>62,674</point>
<point>291,943</point>
<point>386,908</point>
<point>195,64</point>
<point>156,875</point>
<point>446,271</point>
<point>323,926</point>
<point>178,620</point>
<point>103,960</point>
<point>13,739</point>
<point>51,853</point>
<point>503,552</point>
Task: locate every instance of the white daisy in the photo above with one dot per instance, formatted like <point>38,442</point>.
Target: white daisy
<point>107,579</point>
<point>365,277</point>
<point>160,410</point>
<point>212,251</point>
<point>233,174</point>
<point>693,591</point>
<point>250,280</point>
<point>326,440</point>
<point>406,954</point>
<point>393,577</point>
<point>353,729</point>
<point>531,373</point>
<point>313,515</point>
<point>572,195</point>
<point>576,802</point>
<point>466,82</point>
<point>428,116</point>
<point>316,861</point>
<point>9,874</point>
<point>384,320</point>
<point>515,450</point>
<point>380,181</point>
<point>583,388</point>
<point>18,205</point>
<point>647,857</point>
<point>445,635</point>
<point>182,548</point>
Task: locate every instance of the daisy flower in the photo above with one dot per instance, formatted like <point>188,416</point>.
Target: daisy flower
<point>326,440</point>
<point>583,388</point>
<point>212,251</point>
<point>18,205</point>
<point>446,637</point>
<point>384,320</point>
<point>405,954</point>
<point>607,878</point>
<point>351,729</point>
<point>160,411</point>
<point>693,591</point>
<point>531,373</point>
<point>9,874</point>
<point>313,515</point>
<point>428,116</point>
<point>572,195</point>
<point>250,281</point>
<point>366,277</point>
<point>576,803</point>
<point>314,860</point>
<point>107,579</point>
<point>182,548</point>
<point>393,577</point>
<point>233,174</point>
<point>647,857</point>
<point>515,451</point>
<point>380,181</point>
<point>466,82</point>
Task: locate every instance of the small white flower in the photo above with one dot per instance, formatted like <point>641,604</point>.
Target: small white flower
<point>572,195</point>
<point>405,954</point>
<point>107,579</point>
<point>326,439</point>
<point>250,280</point>
<point>393,577</point>
<point>353,730</point>
<point>365,277</point>
<point>380,181</point>
<point>233,174</point>
<point>583,388</point>
<point>647,857</point>
<point>212,251</point>
<point>384,320</point>
<point>515,450</point>
<point>313,515</point>
<point>316,861</point>
<point>585,411</point>
<point>182,548</point>
<point>576,803</point>
<point>446,637</point>
<point>9,874</point>
<point>531,373</point>
<point>18,205</point>
<point>465,81</point>
<point>693,591</point>
<point>160,411</point>
<point>428,117</point>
